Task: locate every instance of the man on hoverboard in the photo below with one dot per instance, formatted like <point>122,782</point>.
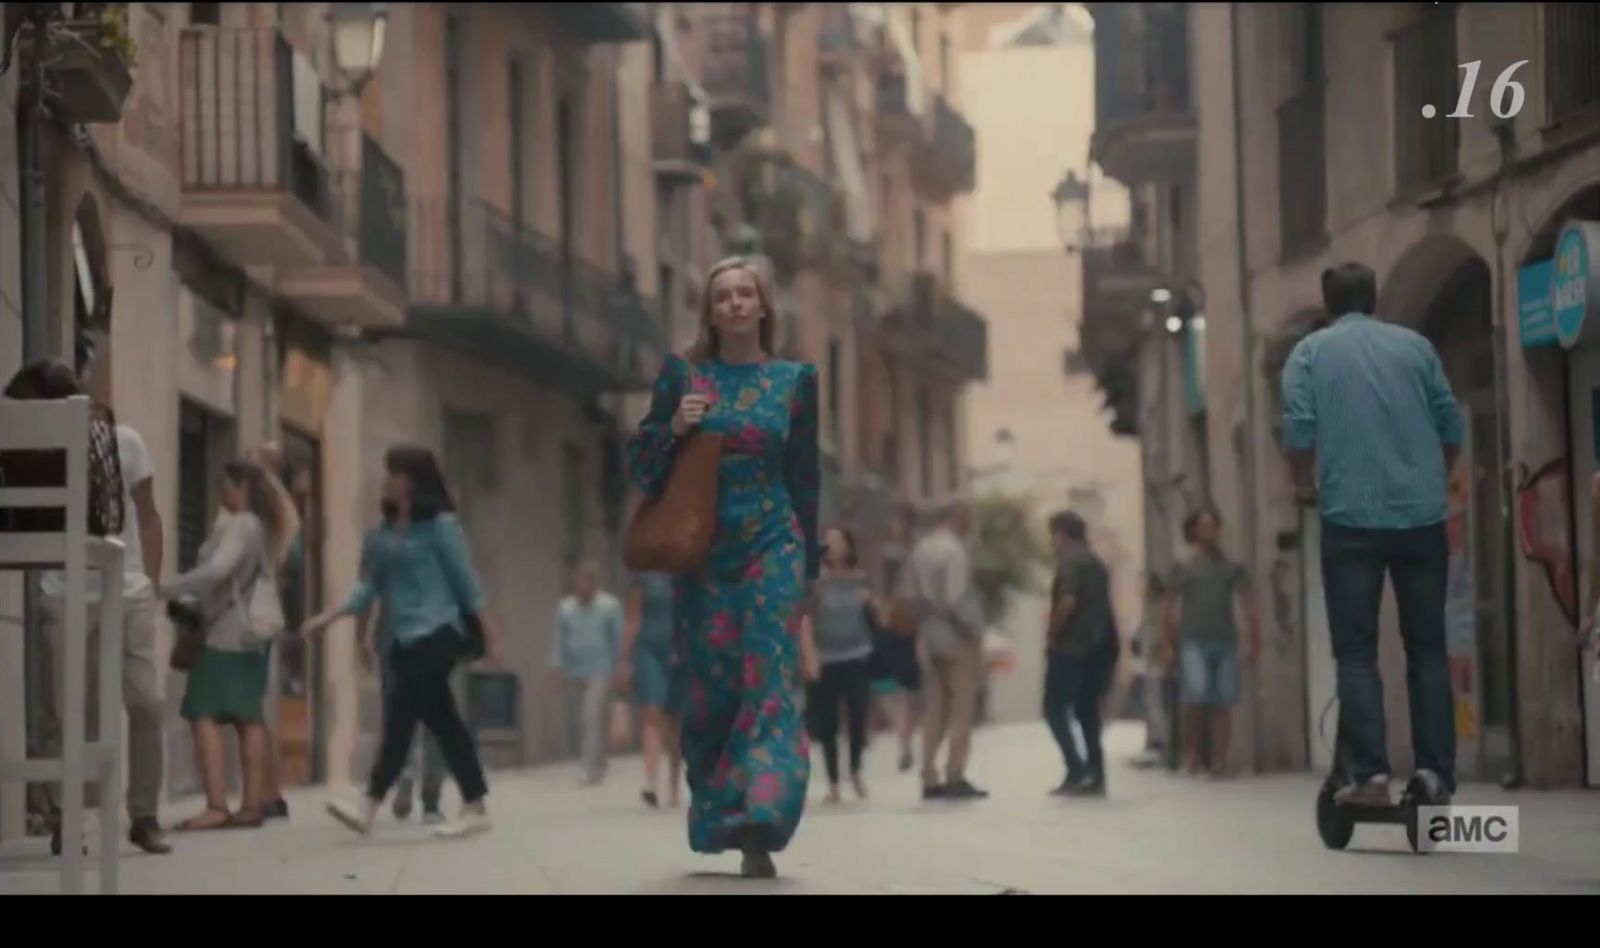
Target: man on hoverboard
<point>1369,417</point>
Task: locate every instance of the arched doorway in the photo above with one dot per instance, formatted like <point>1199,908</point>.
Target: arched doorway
<point>1445,290</point>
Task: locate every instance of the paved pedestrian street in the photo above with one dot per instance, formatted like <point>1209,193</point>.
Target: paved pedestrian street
<point>1156,833</point>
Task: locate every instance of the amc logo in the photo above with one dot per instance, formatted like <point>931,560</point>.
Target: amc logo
<point>1467,829</point>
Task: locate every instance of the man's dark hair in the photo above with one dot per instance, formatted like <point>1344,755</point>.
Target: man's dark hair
<point>45,380</point>
<point>1349,288</point>
<point>1068,524</point>
<point>1193,520</point>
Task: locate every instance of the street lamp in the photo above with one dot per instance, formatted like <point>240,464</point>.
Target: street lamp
<point>1069,191</point>
<point>358,30</point>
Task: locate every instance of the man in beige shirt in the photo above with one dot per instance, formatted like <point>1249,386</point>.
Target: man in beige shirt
<point>951,629</point>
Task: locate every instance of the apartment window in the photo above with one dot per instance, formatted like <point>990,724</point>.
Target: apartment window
<point>573,495</point>
<point>924,442</point>
<point>1425,73</point>
<point>469,453</point>
<point>206,14</point>
<point>948,254</point>
<point>1302,151</point>
<point>835,392</point>
<point>514,108</point>
<point>919,231</point>
<point>1572,67</point>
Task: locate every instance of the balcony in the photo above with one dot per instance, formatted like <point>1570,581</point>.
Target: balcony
<point>930,326</point>
<point>676,154</point>
<point>1117,281</point>
<point>796,215</point>
<point>735,72</point>
<point>1144,119</point>
<point>895,119</point>
<point>946,163</point>
<point>255,187</point>
<point>369,291</point>
<point>492,288</point>
<point>595,23</point>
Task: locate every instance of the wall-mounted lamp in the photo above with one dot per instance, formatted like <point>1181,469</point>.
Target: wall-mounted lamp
<point>358,32</point>
<point>1160,296</point>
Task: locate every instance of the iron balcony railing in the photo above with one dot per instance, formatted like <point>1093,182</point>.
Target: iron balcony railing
<point>1302,172</point>
<point>1425,73</point>
<point>735,69</point>
<point>796,213</point>
<point>239,129</point>
<point>941,327</point>
<point>952,147</point>
<point>381,235</point>
<point>474,255</point>
<point>1572,58</point>
<point>1141,61</point>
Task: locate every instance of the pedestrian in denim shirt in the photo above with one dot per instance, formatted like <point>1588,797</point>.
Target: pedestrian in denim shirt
<point>418,564</point>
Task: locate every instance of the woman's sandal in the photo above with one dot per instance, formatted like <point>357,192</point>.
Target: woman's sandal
<point>246,819</point>
<point>208,819</point>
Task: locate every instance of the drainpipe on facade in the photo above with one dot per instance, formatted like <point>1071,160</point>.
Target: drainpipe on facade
<point>1247,331</point>
<point>1500,226</point>
<point>35,330</point>
<point>35,272</point>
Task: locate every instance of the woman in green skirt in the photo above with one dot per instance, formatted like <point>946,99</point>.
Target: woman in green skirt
<point>229,678</point>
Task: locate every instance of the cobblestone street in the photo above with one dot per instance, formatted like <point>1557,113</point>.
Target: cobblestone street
<point>1156,833</point>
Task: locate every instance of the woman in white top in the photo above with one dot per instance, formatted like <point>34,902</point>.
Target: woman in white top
<point>229,678</point>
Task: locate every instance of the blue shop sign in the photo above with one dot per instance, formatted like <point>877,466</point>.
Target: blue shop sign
<point>1534,315</point>
<point>1575,283</point>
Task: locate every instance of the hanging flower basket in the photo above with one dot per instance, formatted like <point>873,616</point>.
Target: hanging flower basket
<point>89,67</point>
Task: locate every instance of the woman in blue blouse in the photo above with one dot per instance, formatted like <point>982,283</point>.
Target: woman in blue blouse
<point>737,619</point>
<point>417,562</point>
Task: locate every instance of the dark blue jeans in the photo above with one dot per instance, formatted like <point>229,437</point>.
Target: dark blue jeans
<point>1354,562</point>
<point>1072,689</point>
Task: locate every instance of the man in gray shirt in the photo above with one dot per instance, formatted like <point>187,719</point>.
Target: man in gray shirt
<point>951,628</point>
<point>1077,671</point>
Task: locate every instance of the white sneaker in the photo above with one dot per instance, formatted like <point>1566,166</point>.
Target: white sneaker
<point>354,817</point>
<point>472,821</point>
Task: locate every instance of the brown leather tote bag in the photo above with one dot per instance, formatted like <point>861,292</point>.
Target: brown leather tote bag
<point>672,533</point>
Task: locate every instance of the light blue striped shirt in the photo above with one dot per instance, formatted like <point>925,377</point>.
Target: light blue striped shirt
<point>1370,398</point>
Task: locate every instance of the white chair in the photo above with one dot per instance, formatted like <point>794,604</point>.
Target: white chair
<point>64,426</point>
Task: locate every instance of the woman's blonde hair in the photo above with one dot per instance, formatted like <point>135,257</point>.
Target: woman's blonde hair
<point>706,344</point>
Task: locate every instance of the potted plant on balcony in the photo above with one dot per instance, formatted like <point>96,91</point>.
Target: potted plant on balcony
<point>89,62</point>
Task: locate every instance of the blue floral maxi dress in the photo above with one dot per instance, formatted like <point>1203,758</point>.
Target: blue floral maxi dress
<point>737,620</point>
